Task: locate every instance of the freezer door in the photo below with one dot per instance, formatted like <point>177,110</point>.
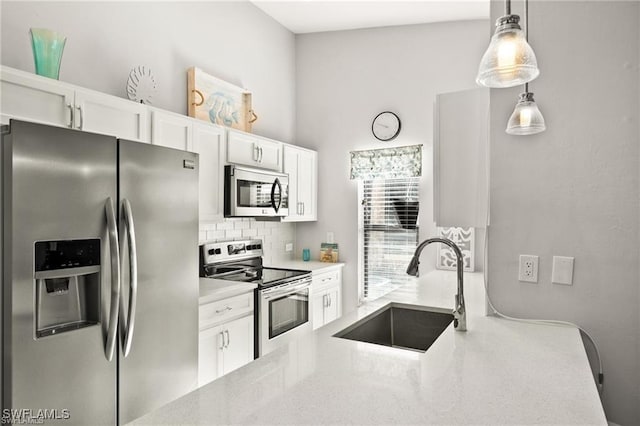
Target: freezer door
<point>160,185</point>
<point>56,186</point>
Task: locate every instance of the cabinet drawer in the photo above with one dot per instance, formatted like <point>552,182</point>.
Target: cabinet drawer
<point>325,280</point>
<point>220,311</point>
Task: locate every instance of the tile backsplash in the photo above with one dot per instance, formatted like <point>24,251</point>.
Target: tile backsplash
<point>274,235</point>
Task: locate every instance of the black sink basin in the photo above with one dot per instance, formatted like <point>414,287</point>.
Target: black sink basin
<point>400,326</point>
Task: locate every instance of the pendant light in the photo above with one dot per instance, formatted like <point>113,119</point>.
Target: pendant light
<point>526,118</point>
<point>509,60</point>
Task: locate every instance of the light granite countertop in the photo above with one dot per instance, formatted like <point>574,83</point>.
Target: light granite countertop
<point>498,372</point>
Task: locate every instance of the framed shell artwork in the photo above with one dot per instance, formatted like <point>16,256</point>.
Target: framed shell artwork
<point>219,102</point>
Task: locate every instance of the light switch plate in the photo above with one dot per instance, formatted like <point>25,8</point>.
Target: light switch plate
<point>562,272</point>
<point>288,247</point>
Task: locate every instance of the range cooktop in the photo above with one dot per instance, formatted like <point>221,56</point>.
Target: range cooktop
<point>265,277</point>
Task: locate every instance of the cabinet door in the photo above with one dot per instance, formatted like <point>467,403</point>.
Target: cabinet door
<point>242,149</point>
<point>333,309</point>
<point>208,141</point>
<point>210,347</point>
<point>239,343</point>
<point>254,151</point>
<point>318,302</point>
<point>307,184</point>
<point>100,113</point>
<point>171,130</point>
<point>270,155</point>
<point>291,168</point>
<point>30,97</point>
<point>459,159</point>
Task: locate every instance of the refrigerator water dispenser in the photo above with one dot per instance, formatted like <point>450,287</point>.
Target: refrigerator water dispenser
<point>67,285</point>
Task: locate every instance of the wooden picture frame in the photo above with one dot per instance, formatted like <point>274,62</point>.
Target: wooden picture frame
<point>218,102</point>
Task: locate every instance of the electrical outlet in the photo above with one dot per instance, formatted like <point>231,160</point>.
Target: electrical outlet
<point>288,247</point>
<point>528,270</point>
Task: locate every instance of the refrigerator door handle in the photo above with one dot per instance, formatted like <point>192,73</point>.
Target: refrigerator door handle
<point>127,325</point>
<point>115,280</point>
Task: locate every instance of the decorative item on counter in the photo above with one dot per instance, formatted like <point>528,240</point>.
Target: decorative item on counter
<point>141,85</point>
<point>465,240</point>
<point>306,255</point>
<point>216,101</point>
<point>329,252</point>
<point>47,47</point>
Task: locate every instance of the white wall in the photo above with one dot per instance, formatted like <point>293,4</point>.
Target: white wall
<point>234,41</point>
<point>573,190</point>
<point>343,80</point>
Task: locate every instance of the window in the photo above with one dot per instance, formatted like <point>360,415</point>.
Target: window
<point>388,233</point>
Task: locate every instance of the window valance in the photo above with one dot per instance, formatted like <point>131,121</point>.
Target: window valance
<point>387,163</point>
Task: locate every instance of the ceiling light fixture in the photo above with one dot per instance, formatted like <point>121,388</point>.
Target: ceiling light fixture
<point>509,60</point>
<point>526,118</point>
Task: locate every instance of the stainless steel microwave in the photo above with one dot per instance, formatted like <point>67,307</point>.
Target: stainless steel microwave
<point>255,193</point>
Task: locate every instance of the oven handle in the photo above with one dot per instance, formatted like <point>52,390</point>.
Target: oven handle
<point>273,195</point>
<point>287,290</point>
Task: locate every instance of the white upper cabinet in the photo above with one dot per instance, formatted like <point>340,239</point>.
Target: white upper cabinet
<point>110,115</point>
<point>30,97</point>
<point>171,130</point>
<point>209,143</point>
<point>460,166</point>
<point>301,165</point>
<point>255,151</point>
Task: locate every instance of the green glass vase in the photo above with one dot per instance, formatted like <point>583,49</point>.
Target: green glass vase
<point>47,51</point>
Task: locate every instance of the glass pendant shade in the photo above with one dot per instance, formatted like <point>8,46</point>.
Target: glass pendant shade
<point>526,118</point>
<point>509,60</point>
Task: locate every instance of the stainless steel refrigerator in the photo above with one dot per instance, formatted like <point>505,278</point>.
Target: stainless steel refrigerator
<point>100,275</point>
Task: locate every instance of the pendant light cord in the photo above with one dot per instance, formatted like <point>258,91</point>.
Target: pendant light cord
<point>526,33</point>
<point>507,7</point>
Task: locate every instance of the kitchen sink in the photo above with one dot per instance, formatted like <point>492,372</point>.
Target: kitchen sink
<point>400,326</point>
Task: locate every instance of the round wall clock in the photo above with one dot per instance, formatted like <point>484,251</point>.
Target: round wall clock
<point>386,126</point>
<point>141,85</point>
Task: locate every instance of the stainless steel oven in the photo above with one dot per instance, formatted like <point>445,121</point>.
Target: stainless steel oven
<point>284,313</point>
<point>255,193</point>
<point>281,299</point>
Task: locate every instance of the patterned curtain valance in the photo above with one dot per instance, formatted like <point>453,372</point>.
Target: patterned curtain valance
<point>387,163</point>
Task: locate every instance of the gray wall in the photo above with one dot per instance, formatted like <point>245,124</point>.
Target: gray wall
<point>234,41</point>
<point>573,190</point>
<point>344,79</point>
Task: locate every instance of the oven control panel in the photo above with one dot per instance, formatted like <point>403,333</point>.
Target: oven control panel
<point>229,250</point>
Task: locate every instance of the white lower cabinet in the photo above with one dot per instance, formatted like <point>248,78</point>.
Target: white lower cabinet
<point>226,336</point>
<point>326,299</point>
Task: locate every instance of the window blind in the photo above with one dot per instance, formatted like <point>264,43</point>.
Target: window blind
<point>388,233</point>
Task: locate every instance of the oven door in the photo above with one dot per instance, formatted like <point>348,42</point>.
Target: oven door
<point>284,314</point>
<point>252,193</point>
